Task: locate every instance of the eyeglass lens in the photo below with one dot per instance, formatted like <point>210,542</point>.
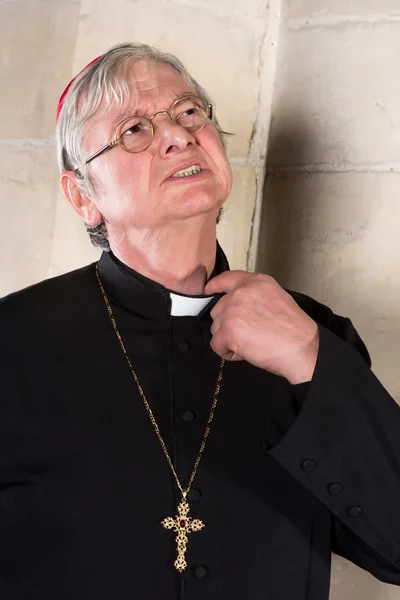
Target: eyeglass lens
<point>136,132</point>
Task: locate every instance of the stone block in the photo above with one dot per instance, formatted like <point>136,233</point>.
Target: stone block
<point>335,238</point>
<point>336,98</point>
<point>71,246</point>
<point>235,228</point>
<point>312,8</point>
<point>28,192</point>
<point>218,50</point>
<point>251,7</point>
<point>37,48</point>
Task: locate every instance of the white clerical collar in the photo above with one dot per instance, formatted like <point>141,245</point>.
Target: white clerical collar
<point>188,306</point>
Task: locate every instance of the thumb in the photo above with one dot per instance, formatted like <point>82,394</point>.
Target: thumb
<point>225,282</point>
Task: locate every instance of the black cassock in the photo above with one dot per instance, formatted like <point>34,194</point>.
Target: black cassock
<point>289,473</point>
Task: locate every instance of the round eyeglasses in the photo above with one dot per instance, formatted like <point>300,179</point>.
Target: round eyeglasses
<point>135,134</point>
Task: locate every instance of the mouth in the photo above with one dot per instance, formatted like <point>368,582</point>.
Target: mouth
<point>188,172</point>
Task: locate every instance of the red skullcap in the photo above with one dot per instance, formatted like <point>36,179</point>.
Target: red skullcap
<point>65,92</point>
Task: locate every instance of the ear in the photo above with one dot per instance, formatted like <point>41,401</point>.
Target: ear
<point>83,205</point>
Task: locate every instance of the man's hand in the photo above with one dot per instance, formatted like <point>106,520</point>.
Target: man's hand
<point>257,321</point>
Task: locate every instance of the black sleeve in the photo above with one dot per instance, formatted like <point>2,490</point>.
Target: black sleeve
<point>286,412</point>
<point>344,447</point>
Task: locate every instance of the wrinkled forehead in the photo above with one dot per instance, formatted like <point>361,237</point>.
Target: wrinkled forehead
<point>149,83</point>
<point>149,77</point>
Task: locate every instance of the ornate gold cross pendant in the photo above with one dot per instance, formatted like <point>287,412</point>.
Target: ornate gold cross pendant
<point>183,525</point>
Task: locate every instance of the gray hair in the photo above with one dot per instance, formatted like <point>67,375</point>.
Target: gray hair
<point>108,79</point>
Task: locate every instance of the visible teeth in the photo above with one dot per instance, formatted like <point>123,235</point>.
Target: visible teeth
<point>189,171</point>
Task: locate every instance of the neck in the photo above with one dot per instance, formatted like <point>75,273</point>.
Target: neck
<point>180,258</point>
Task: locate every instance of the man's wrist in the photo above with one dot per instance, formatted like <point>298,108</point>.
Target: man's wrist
<point>303,366</point>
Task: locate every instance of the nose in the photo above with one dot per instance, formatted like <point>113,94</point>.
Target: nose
<point>172,137</point>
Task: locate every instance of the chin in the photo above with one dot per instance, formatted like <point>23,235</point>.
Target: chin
<point>190,205</point>
<point>203,206</point>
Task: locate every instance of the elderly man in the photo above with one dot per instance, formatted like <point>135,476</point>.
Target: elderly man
<point>169,428</point>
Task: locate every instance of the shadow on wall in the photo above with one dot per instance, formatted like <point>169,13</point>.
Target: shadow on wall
<point>299,228</point>
<point>282,219</point>
<point>314,228</point>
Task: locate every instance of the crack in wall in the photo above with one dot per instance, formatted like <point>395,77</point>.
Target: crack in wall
<point>257,154</point>
<point>334,168</point>
<point>28,144</point>
<point>334,20</point>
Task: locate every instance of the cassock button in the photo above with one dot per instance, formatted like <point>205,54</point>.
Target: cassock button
<point>189,415</point>
<point>354,511</point>
<point>308,465</point>
<point>335,488</point>
<point>184,346</point>
<point>194,495</point>
<point>200,571</point>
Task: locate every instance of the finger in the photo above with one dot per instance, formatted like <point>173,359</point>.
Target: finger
<point>235,358</point>
<point>225,282</point>
<point>218,308</point>
<point>220,344</point>
<point>215,327</point>
<point>223,351</point>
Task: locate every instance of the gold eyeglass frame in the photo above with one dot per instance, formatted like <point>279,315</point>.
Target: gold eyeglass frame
<point>117,141</point>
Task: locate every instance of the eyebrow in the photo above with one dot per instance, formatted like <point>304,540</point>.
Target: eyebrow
<point>127,112</point>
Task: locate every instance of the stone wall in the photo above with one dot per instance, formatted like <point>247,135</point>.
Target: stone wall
<point>45,42</point>
<point>331,211</point>
<point>329,217</point>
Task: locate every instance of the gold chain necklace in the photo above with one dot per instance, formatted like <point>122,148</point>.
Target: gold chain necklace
<point>182,524</point>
